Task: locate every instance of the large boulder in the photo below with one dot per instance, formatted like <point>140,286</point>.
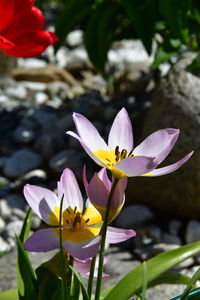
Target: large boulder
<point>175,104</point>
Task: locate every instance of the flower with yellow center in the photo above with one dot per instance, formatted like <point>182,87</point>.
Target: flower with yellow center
<point>120,156</point>
<point>80,226</point>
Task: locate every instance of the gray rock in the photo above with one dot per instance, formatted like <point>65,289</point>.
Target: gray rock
<point>41,98</point>
<point>21,162</point>
<point>24,135</point>
<point>192,231</point>
<point>175,104</point>
<point>5,210</point>
<point>2,224</point>
<point>13,228</point>
<point>16,201</point>
<point>3,245</point>
<point>42,117</point>
<point>36,222</point>
<point>67,159</point>
<point>174,227</point>
<point>170,239</point>
<point>75,38</point>
<point>58,88</point>
<point>134,216</point>
<point>20,214</point>
<point>18,92</point>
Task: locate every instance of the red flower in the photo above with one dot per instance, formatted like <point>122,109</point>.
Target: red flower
<point>22,29</point>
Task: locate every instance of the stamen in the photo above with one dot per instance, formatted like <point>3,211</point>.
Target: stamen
<point>117,153</point>
<point>75,209</point>
<point>77,219</point>
<point>87,220</point>
<point>123,153</point>
<point>68,211</point>
<point>67,221</point>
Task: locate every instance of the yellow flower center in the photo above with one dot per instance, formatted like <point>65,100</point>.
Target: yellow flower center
<point>110,158</point>
<point>77,226</point>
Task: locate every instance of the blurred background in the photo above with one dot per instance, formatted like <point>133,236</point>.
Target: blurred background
<point>141,55</point>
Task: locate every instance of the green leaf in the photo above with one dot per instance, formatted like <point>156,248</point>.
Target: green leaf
<point>9,295</point>
<point>26,278</point>
<point>143,16</point>
<point>73,13</point>
<point>194,67</point>
<point>155,266</point>
<point>26,227</point>
<point>161,56</point>
<point>170,278</point>
<point>49,285</point>
<point>190,285</point>
<point>83,289</point>
<point>100,32</point>
<point>175,14</point>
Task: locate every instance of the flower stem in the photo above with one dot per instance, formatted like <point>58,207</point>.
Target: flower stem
<point>63,260</point>
<point>90,280</point>
<point>103,240</point>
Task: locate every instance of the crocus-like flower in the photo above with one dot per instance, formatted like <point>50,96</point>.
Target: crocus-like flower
<point>83,267</point>
<point>120,156</point>
<point>80,225</point>
<point>22,29</point>
<point>98,190</point>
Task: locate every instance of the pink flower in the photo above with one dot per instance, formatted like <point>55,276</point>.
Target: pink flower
<point>80,225</point>
<point>120,156</point>
<point>98,190</point>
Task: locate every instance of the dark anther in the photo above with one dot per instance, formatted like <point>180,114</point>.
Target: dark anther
<point>67,221</point>
<point>68,211</point>
<point>117,153</point>
<point>123,153</point>
<point>87,220</point>
<point>77,219</point>
<point>75,209</point>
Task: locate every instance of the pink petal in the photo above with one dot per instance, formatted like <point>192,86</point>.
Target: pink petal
<point>88,133</point>
<point>170,168</point>
<point>97,191</point>
<point>69,187</point>
<point>136,165</point>
<point>83,267</point>
<point>86,147</point>
<point>117,235</point>
<point>83,250</point>
<point>41,200</point>
<point>43,240</point>
<point>158,144</point>
<point>121,133</point>
<point>104,177</point>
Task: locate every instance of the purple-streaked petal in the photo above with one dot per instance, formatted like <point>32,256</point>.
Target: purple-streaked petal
<point>158,144</point>
<point>97,191</point>
<point>170,168</point>
<point>43,240</point>
<point>41,200</point>
<point>69,187</point>
<point>121,133</point>
<point>83,250</point>
<point>104,177</point>
<point>88,133</point>
<point>117,235</point>
<point>86,148</point>
<point>136,165</point>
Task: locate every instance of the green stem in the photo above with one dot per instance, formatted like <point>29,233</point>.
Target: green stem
<point>103,240</point>
<point>63,260</point>
<point>90,280</point>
